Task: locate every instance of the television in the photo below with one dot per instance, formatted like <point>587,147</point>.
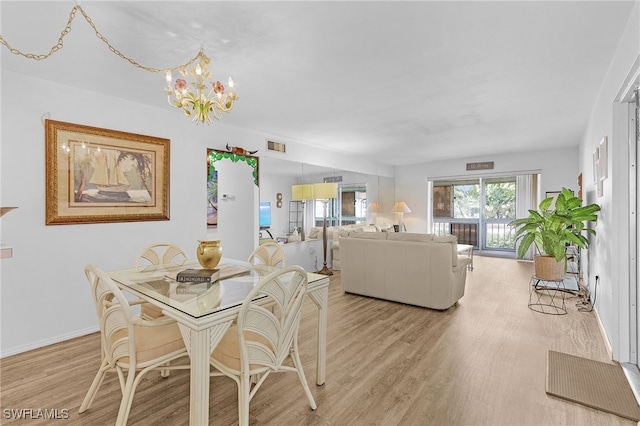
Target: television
<point>265,215</point>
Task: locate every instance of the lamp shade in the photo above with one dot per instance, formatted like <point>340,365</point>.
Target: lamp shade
<point>302,192</point>
<point>400,207</point>
<point>375,207</point>
<point>322,191</point>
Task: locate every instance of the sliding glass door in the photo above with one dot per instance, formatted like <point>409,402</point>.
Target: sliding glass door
<point>477,211</point>
<point>499,210</point>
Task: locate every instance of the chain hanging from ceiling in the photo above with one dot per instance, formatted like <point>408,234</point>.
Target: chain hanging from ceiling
<point>197,104</point>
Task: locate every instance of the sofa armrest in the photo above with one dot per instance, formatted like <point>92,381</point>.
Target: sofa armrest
<point>463,262</point>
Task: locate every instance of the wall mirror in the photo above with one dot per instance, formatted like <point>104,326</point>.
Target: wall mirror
<point>355,193</point>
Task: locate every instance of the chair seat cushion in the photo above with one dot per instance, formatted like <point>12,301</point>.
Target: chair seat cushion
<point>227,352</point>
<point>153,342</point>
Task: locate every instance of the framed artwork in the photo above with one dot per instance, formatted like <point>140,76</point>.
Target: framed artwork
<point>601,165</point>
<point>96,175</point>
<point>554,195</point>
<point>596,160</point>
<point>603,160</point>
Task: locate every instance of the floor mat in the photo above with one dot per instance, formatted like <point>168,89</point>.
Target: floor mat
<point>592,383</point>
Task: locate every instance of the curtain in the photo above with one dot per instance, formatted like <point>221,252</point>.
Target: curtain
<point>526,199</point>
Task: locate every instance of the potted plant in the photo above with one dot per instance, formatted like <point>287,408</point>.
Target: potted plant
<point>552,229</point>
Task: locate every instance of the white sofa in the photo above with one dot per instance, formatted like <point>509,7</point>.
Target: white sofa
<point>416,269</point>
<point>335,232</point>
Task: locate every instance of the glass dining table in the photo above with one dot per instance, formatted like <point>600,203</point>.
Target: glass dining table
<point>205,311</point>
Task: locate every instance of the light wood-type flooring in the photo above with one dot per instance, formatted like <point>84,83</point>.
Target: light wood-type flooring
<point>482,362</point>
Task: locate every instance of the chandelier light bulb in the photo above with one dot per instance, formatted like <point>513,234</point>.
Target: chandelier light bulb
<point>168,77</point>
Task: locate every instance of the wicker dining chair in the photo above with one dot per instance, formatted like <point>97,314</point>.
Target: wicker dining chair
<point>131,346</point>
<point>268,253</point>
<point>265,338</point>
<point>155,254</point>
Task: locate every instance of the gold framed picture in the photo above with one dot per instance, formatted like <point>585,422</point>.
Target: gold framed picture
<point>96,175</point>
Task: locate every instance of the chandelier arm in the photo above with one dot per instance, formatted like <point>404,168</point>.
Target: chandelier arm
<point>67,29</point>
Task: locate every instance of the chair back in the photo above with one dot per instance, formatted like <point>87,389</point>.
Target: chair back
<point>269,318</point>
<point>159,253</point>
<point>114,316</point>
<point>268,253</point>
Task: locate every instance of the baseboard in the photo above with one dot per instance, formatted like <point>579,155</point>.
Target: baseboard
<point>604,334</point>
<point>47,342</point>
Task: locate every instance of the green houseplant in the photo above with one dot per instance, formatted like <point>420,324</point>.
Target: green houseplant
<point>552,229</point>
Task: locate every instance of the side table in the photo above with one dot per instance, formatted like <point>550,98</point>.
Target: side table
<point>468,250</point>
<point>547,296</point>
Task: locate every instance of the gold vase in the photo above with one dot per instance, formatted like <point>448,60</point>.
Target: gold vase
<point>209,253</point>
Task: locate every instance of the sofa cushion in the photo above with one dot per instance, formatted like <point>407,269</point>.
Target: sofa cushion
<point>383,227</point>
<point>410,236</point>
<point>449,239</point>
<point>445,239</point>
<point>316,232</point>
<point>368,235</point>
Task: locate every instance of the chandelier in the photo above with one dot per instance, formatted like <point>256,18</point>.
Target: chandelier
<point>204,100</point>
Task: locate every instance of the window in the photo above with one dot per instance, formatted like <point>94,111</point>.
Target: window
<point>349,208</point>
<point>476,211</point>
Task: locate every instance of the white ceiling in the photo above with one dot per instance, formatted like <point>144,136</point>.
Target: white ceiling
<point>398,82</point>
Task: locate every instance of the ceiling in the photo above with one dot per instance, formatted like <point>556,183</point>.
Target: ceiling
<point>396,82</point>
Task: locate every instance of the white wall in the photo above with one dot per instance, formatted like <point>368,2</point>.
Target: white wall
<point>559,168</point>
<point>44,294</point>
<point>608,254</point>
<point>270,185</point>
<point>238,199</point>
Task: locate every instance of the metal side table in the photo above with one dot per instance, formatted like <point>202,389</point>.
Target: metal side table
<point>547,296</point>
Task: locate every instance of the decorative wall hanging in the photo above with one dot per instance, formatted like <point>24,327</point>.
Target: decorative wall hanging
<point>215,155</point>
<point>96,175</point>
<point>240,151</point>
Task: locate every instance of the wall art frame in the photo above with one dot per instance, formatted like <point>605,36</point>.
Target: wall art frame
<point>96,175</point>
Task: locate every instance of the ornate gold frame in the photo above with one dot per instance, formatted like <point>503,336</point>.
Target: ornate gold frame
<point>76,192</point>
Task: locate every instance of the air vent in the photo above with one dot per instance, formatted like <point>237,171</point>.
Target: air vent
<point>276,146</point>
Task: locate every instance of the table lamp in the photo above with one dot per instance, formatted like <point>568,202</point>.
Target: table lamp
<point>375,208</point>
<point>302,193</point>
<point>400,207</point>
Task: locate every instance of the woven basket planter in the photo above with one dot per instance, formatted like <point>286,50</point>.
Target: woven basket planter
<point>548,268</point>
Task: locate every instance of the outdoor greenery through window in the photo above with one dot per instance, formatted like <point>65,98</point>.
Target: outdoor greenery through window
<point>476,211</point>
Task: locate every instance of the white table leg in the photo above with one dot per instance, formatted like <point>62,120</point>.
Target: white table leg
<point>200,344</point>
<point>321,299</point>
<point>199,391</point>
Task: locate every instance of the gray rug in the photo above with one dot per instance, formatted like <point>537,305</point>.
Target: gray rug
<point>595,384</point>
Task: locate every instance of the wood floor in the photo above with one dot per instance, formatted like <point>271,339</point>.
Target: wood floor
<point>482,362</point>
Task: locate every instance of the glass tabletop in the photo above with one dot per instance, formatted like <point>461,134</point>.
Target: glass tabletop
<point>237,279</point>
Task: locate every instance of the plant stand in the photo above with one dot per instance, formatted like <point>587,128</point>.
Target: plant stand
<point>547,296</point>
